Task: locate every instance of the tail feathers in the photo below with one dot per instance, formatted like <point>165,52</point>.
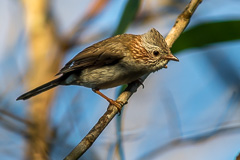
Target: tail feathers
<point>40,89</point>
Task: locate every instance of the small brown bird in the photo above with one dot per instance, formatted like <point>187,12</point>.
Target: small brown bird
<point>118,60</point>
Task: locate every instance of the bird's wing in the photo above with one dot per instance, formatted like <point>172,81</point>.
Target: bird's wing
<point>106,52</point>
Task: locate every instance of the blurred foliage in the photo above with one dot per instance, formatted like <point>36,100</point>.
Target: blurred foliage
<point>206,34</point>
<point>128,15</point>
<point>127,18</point>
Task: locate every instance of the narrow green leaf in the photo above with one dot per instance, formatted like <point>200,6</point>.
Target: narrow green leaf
<point>128,15</point>
<point>206,34</point>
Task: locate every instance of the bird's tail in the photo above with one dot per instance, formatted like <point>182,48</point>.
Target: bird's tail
<point>40,89</point>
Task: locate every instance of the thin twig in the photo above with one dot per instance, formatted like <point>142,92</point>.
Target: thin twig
<point>19,119</point>
<point>180,24</point>
<point>71,37</point>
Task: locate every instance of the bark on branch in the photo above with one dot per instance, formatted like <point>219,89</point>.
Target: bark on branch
<point>179,26</point>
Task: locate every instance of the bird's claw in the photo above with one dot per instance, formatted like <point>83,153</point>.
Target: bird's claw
<point>118,105</point>
<point>140,81</point>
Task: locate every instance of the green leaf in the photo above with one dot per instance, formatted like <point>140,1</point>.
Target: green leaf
<point>206,34</point>
<point>128,15</point>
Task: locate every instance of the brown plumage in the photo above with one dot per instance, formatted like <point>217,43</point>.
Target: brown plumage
<point>118,60</point>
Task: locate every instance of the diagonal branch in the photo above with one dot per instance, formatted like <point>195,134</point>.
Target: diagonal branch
<point>181,22</point>
<point>179,26</point>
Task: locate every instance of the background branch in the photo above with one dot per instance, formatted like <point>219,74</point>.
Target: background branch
<point>43,40</point>
<point>180,24</point>
<point>70,39</point>
<point>11,115</point>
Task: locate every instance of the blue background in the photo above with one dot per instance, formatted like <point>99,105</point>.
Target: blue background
<point>188,111</point>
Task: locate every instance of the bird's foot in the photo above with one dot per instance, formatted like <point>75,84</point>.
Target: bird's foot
<point>117,104</point>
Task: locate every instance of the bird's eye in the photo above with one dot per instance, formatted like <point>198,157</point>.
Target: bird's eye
<point>156,53</point>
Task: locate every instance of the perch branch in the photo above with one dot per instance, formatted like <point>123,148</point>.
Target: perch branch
<point>180,24</point>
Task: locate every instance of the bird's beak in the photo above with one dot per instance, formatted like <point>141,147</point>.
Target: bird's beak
<point>170,57</point>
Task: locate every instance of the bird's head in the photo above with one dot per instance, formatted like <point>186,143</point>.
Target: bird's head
<point>158,52</point>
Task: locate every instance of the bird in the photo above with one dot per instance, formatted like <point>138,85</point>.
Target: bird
<point>118,60</point>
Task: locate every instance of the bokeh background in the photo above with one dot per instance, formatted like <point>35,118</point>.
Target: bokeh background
<point>190,110</point>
